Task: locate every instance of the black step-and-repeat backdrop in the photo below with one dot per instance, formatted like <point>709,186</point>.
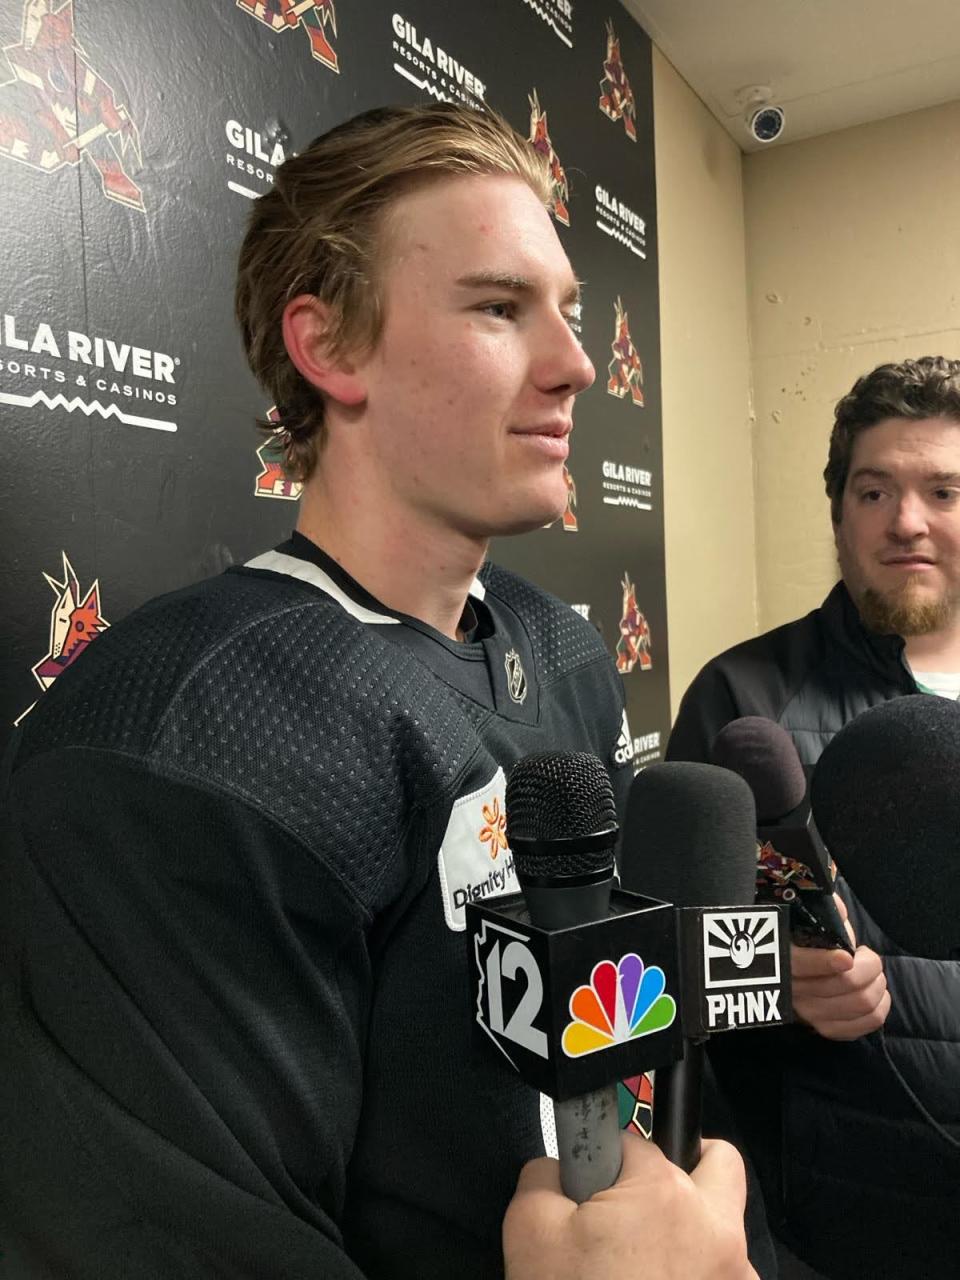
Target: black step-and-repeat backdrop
<point>132,139</point>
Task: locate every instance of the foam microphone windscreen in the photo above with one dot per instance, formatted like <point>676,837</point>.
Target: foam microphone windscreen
<point>690,836</point>
<point>886,797</point>
<point>764,755</point>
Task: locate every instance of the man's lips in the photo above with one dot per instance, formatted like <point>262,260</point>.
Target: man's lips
<point>909,562</point>
<point>551,439</point>
<point>559,430</point>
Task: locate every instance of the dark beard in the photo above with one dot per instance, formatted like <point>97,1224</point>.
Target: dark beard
<point>898,613</point>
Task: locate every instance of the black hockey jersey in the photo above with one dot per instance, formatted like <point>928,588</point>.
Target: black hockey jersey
<point>239,837</point>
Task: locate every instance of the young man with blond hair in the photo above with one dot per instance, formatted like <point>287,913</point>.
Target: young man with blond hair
<point>241,831</point>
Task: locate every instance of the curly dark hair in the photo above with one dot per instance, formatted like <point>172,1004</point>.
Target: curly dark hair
<point>915,389</point>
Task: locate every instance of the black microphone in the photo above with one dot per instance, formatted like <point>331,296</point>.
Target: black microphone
<point>886,795</point>
<point>562,829</point>
<point>793,865</point>
<point>689,837</point>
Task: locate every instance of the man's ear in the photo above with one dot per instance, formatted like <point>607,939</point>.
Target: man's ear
<point>305,325</point>
<point>835,526</point>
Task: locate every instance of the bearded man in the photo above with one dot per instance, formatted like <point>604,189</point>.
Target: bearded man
<point>853,1176</point>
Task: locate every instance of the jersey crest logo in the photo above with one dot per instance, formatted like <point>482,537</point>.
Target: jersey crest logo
<point>540,137</point>
<point>75,620</point>
<point>55,109</point>
<point>616,96</point>
<point>273,481</point>
<point>625,370</point>
<point>317,17</point>
<point>634,643</point>
<point>516,677</point>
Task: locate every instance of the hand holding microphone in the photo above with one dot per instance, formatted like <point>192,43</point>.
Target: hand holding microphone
<point>575,955</point>
<point>841,996</point>
<point>838,988</point>
<point>655,1221</point>
<point>793,865</point>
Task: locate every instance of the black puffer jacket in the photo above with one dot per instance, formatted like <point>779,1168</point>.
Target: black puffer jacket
<point>856,1181</point>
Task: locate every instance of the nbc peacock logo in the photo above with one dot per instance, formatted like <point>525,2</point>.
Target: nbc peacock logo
<point>622,1002</point>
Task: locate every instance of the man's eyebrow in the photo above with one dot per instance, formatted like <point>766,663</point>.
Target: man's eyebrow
<point>515,283</point>
<point>870,473</point>
<point>934,477</point>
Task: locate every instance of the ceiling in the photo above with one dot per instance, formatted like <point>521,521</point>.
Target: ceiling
<point>829,63</point>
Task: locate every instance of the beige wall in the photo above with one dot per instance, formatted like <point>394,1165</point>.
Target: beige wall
<point>784,275</point>
<point>707,442</point>
<point>853,258</point>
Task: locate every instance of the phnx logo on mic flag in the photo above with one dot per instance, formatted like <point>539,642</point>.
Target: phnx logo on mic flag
<point>741,968</point>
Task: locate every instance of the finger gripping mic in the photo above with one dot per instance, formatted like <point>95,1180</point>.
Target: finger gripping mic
<point>886,795</point>
<point>793,866</point>
<point>690,838</point>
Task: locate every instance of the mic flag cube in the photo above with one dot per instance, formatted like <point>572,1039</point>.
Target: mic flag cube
<point>735,968</point>
<point>573,1010</point>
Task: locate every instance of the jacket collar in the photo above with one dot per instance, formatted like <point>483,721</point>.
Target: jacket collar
<point>845,629</point>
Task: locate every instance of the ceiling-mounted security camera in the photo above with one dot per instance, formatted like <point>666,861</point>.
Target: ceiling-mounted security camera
<point>763,118</point>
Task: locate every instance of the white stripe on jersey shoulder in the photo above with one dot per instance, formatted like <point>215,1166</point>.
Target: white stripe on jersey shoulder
<point>277,562</point>
<point>306,571</point>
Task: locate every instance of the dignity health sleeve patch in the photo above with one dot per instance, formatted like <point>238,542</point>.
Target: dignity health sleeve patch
<point>475,861</point>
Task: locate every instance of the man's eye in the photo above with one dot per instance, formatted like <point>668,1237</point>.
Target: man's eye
<point>946,495</point>
<point>501,310</point>
<point>871,495</point>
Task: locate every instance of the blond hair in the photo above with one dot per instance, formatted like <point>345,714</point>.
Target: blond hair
<point>318,232</point>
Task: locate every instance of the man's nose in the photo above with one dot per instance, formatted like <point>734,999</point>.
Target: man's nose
<point>566,367</point>
<point>910,519</point>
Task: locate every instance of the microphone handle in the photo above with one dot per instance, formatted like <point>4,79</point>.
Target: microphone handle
<point>678,1107</point>
<point>589,1142</point>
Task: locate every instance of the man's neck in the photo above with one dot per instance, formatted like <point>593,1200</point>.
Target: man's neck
<point>412,568</point>
<point>939,651</point>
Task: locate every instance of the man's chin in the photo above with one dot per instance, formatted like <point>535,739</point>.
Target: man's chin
<point>908,611</point>
<point>540,514</point>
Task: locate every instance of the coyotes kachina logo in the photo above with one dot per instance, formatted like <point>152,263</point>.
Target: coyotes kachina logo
<point>568,521</point>
<point>540,137</point>
<point>625,370</point>
<point>75,620</point>
<point>616,96</point>
<point>317,17</point>
<point>569,517</point>
<point>55,109</point>
<point>634,643</point>
<point>273,481</point>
